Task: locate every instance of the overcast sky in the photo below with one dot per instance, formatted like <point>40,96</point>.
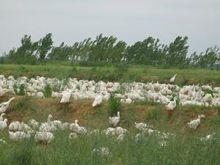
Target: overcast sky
<point>129,20</point>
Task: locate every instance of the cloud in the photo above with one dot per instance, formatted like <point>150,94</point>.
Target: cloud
<point>129,20</point>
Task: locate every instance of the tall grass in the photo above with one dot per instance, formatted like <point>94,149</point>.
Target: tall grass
<point>181,150</point>
<point>122,73</point>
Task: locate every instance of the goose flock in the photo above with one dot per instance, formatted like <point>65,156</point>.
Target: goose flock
<point>43,132</point>
<point>71,88</point>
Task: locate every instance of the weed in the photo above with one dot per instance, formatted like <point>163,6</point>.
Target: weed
<point>47,91</point>
<point>114,105</point>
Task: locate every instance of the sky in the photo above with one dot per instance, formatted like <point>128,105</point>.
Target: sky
<point>129,20</point>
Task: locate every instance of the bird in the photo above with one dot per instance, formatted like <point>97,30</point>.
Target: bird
<point>65,97</point>
<point>73,135</point>
<point>172,79</point>
<point>49,118</point>
<point>103,151</point>
<point>98,100</point>
<point>14,126</point>
<point>140,126</point>
<point>39,95</point>
<point>33,123</point>
<point>195,123</point>
<point>120,130</point>
<point>120,137</point>
<point>4,106</point>
<point>115,119</point>
<point>43,137</point>
<point>3,124</point>
<point>1,117</point>
<point>1,91</point>
<point>110,131</point>
<point>19,135</point>
<point>2,141</point>
<point>207,138</point>
<point>64,126</point>
<point>171,105</point>
<point>75,127</point>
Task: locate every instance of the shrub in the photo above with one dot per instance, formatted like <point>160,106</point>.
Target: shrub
<point>22,104</point>
<point>47,91</point>
<point>21,90</point>
<point>114,105</point>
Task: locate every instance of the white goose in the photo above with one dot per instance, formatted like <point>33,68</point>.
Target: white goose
<point>140,126</point>
<point>3,124</point>
<point>73,135</point>
<point>14,126</point>
<point>171,105</point>
<point>1,91</point>
<point>115,119</point>
<point>75,127</point>
<point>98,100</point>
<point>43,137</point>
<point>19,135</point>
<point>195,123</point>
<point>172,79</point>
<point>1,117</point>
<point>65,97</point>
<point>4,106</point>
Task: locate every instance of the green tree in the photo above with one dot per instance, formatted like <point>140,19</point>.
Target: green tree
<point>44,46</point>
<point>177,51</point>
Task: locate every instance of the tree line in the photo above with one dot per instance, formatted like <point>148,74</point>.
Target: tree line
<point>110,50</point>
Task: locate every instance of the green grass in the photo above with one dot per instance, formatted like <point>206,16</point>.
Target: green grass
<point>180,150</point>
<point>111,73</point>
<point>185,148</point>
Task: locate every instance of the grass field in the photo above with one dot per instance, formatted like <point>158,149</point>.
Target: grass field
<point>185,148</point>
<point>122,74</point>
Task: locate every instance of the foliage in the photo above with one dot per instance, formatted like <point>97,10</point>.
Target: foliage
<point>104,50</point>
<point>207,59</point>
<point>114,105</point>
<point>47,91</point>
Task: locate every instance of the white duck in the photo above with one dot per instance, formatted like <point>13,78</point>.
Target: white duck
<point>73,135</point>
<point>3,124</point>
<point>172,79</point>
<point>195,123</point>
<point>103,151</point>
<point>77,129</point>
<point>33,123</point>
<point>19,135</point>
<point>65,97</point>
<point>4,106</point>
<point>115,119</point>
<point>1,117</point>
<point>208,137</point>
<point>98,100</point>
<point>1,91</point>
<point>171,105</point>
<point>14,126</point>
<point>140,126</point>
<point>43,137</point>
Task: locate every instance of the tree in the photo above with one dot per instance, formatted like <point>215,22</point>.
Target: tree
<point>24,53</point>
<point>61,53</point>
<point>177,51</point>
<point>44,46</point>
<point>148,51</point>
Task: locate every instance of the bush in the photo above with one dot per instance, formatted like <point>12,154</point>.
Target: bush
<point>22,104</point>
<point>21,90</point>
<point>47,91</point>
<point>114,105</point>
